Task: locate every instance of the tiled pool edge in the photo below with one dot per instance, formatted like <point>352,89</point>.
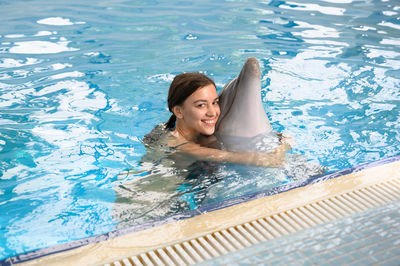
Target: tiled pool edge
<point>30,257</point>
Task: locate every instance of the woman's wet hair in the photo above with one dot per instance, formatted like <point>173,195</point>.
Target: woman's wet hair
<point>181,88</point>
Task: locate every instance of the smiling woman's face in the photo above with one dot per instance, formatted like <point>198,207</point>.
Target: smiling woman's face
<point>199,112</point>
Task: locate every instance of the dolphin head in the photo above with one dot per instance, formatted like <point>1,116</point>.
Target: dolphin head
<point>242,113</point>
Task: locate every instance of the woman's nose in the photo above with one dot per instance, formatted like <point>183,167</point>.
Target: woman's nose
<point>212,110</point>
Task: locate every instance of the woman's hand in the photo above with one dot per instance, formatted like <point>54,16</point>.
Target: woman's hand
<point>276,158</point>
<point>286,138</point>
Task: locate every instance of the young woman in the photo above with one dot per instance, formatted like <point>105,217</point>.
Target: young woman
<point>193,100</point>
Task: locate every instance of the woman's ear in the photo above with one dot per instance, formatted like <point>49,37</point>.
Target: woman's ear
<point>177,110</point>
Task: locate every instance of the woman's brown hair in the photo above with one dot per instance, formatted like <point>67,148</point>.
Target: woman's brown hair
<point>181,88</point>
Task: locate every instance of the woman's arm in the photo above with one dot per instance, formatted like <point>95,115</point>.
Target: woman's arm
<point>271,159</point>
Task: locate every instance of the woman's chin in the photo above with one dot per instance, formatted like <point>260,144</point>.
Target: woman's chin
<point>208,131</point>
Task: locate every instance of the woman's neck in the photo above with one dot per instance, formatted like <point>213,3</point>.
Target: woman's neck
<point>185,134</point>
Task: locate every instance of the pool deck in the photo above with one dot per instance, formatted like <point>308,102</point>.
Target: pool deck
<point>282,207</point>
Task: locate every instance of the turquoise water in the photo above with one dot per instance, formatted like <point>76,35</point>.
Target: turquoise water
<point>82,82</point>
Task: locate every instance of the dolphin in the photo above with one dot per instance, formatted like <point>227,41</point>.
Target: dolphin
<point>243,124</point>
<point>243,120</point>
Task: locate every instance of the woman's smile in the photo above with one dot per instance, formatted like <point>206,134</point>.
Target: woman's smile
<point>210,122</point>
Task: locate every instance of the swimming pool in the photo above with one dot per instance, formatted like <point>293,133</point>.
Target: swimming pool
<point>81,83</point>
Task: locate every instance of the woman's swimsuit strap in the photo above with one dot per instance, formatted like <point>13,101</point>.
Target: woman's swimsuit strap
<point>177,146</point>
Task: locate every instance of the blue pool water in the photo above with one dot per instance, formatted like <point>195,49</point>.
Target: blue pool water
<point>82,82</point>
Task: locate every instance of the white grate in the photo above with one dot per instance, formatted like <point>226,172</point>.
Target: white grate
<point>243,235</point>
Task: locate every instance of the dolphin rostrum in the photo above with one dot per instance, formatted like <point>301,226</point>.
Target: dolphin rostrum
<point>242,113</point>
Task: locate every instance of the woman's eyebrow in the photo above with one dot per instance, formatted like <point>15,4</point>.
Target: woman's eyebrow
<point>201,100</point>
<point>204,101</point>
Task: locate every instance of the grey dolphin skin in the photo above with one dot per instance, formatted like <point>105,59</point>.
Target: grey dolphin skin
<point>242,114</point>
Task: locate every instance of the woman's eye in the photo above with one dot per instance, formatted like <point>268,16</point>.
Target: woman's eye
<point>201,105</point>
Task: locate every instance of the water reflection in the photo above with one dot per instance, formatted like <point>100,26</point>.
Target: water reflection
<point>41,47</point>
<point>327,10</point>
<point>58,21</point>
<point>49,143</point>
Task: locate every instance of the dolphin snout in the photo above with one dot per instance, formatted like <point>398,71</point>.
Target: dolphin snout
<point>251,65</point>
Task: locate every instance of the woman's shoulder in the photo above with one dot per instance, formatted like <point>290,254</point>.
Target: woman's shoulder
<point>161,136</point>
<point>156,135</point>
<point>175,141</point>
